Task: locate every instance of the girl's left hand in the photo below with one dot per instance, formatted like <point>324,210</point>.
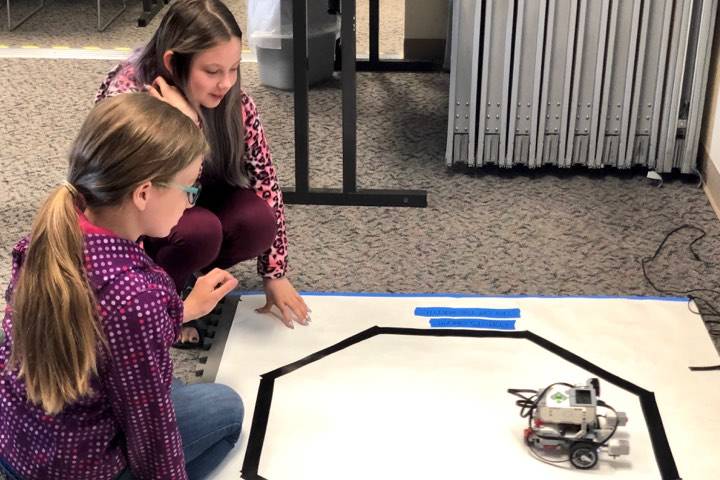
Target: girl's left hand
<point>280,292</point>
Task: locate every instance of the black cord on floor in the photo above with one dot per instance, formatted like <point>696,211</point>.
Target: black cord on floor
<point>691,294</point>
<point>708,306</point>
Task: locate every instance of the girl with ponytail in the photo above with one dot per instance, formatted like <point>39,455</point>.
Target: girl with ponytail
<point>86,386</point>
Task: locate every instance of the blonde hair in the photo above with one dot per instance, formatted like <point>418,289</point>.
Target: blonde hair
<point>125,141</point>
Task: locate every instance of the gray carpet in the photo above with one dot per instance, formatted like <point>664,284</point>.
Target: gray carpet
<point>552,233</point>
<point>73,23</point>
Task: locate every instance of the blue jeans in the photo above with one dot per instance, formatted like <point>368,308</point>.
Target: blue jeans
<point>209,417</point>
<point>7,471</point>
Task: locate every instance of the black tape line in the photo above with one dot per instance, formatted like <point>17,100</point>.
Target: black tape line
<point>314,357</point>
<point>258,429</point>
<point>452,332</point>
<point>585,364</point>
<point>653,420</point>
<point>705,369</point>
<point>658,438</point>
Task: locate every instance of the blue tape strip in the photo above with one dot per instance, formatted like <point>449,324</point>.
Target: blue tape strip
<point>467,312</point>
<point>472,323</point>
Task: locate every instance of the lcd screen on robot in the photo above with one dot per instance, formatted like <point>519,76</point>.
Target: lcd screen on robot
<point>583,397</point>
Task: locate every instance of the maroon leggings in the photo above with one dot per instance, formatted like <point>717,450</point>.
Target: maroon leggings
<point>227,226</point>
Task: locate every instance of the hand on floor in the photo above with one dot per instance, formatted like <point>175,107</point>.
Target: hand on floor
<point>281,293</point>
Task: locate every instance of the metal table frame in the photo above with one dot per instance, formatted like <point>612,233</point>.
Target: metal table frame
<point>101,26</point>
<point>349,194</point>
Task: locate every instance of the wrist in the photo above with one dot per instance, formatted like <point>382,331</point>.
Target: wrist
<point>270,280</point>
<point>194,116</point>
<point>189,311</point>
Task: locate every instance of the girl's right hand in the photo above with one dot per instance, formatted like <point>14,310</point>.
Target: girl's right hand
<point>171,95</point>
<point>207,292</point>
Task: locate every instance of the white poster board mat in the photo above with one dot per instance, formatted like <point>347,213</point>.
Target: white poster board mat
<point>403,402</point>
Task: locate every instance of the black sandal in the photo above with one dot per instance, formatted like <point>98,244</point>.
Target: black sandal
<point>189,345</point>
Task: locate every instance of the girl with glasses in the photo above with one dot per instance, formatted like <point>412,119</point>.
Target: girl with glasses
<point>193,191</point>
<point>193,62</point>
<point>86,385</point>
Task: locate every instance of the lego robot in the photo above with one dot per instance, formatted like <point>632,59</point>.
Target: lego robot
<point>563,419</point>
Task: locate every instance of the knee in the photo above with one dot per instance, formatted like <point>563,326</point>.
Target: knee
<point>199,233</point>
<point>263,226</point>
<point>233,404</point>
<point>252,228</point>
<point>233,410</point>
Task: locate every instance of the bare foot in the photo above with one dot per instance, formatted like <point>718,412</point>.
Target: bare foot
<point>189,335</point>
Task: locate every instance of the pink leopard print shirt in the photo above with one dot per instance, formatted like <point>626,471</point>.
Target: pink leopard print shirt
<point>261,171</point>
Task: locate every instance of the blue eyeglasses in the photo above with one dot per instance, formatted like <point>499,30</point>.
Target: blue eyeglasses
<point>193,191</point>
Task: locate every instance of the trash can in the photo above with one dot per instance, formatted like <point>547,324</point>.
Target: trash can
<point>270,29</point>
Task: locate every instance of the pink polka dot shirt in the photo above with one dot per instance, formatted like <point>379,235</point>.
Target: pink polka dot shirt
<point>128,420</point>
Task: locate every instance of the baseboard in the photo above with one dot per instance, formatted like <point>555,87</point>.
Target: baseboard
<point>711,183</point>
<point>424,49</point>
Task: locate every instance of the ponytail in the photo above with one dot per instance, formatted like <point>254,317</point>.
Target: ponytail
<point>55,327</point>
<point>124,141</point>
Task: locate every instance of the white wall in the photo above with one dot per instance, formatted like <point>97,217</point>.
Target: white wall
<point>710,137</point>
<point>426,18</point>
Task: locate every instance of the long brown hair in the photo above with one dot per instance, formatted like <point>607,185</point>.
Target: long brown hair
<point>125,141</point>
<point>188,28</point>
